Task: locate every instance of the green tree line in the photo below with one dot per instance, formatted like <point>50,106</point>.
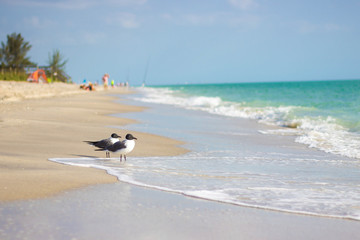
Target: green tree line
<point>14,61</point>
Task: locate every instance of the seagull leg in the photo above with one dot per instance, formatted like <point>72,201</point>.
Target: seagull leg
<point>120,158</point>
<point>125,157</point>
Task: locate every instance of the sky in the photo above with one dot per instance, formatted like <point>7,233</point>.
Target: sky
<point>191,41</point>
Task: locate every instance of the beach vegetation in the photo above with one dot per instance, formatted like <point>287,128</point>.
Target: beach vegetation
<point>13,53</point>
<point>56,67</point>
<point>15,64</point>
<point>13,57</point>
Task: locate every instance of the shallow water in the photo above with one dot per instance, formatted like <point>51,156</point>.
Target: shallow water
<point>232,161</point>
<point>322,114</point>
<point>122,211</point>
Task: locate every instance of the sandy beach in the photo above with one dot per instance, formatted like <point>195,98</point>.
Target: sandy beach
<point>40,199</point>
<point>39,121</point>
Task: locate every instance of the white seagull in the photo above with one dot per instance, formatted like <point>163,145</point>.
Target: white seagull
<point>123,147</point>
<point>103,144</point>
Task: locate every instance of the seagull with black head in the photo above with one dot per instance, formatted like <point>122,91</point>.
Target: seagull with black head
<point>123,147</point>
<point>104,143</point>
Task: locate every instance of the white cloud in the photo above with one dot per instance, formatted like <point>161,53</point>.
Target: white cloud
<point>306,27</point>
<point>37,22</point>
<point>73,4</point>
<point>332,27</point>
<point>167,16</point>
<point>245,21</point>
<point>33,21</point>
<point>125,20</point>
<point>201,19</point>
<point>123,2</point>
<point>67,4</point>
<point>217,18</point>
<point>244,4</point>
<point>93,37</point>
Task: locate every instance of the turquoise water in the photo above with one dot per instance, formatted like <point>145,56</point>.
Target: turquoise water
<point>249,146</point>
<point>322,114</point>
<point>338,99</point>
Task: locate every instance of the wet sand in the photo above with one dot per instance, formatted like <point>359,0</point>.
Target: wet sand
<point>124,211</point>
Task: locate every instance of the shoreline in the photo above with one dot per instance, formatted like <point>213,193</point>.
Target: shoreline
<point>200,198</point>
<point>46,126</point>
<point>92,209</point>
<point>113,210</point>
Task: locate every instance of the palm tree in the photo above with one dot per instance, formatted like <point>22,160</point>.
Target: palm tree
<point>57,65</point>
<point>13,53</point>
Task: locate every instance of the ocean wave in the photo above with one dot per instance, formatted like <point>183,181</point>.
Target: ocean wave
<point>258,191</point>
<point>216,105</point>
<point>324,133</point>
<point>327,135</point>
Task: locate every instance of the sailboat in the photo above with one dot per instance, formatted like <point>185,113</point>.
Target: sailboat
<point>145,75</point>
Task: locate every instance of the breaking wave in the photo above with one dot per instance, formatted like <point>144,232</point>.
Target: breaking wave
<point>322,132</point>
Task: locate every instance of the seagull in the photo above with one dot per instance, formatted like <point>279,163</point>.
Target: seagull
<point>103,144</point>
<point>123,147</point>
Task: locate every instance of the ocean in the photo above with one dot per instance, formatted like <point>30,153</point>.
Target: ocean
<point>289,146</point>
<point>322,114</point>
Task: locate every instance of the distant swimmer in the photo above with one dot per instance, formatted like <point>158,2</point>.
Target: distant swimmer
<point>103,144</point>
<point>123,147</point>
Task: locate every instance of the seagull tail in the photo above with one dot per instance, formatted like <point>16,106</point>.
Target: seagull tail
<point>100,149</point>
<point>90,142</point>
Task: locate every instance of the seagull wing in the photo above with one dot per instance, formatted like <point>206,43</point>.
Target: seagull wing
<point>116,146</point>
<point>100,144</point>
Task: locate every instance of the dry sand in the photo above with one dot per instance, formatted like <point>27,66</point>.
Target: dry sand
<point>40,121</point>
<point>11,91</point>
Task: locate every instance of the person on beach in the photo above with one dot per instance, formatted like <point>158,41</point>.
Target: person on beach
<point>85,86</point>
<point>105,80</point>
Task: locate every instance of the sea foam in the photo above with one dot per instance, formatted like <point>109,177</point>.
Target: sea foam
<point>236,181</point>
<point>324,133</point>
